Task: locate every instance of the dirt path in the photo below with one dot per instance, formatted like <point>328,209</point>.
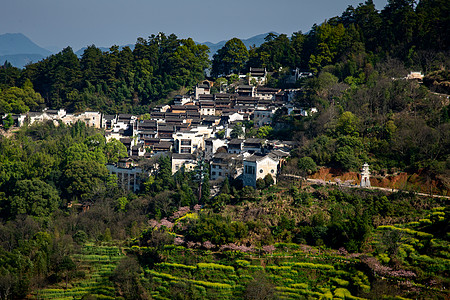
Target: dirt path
<point>320,181</point>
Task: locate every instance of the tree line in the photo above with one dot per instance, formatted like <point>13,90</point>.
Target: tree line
<point>130,80</point>
<point>417,35</point>
<point>116,80</point>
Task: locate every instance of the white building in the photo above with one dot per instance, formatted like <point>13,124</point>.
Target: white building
<point>38,117</point>
<point>127,178</point>
<point>192,140</point>
<point>257,167</point>
<point>211,146</point>
<point>202,89</point>
<point>263,116</point>
<point>207,108</point>
<point>181,99</point>
<point>265,93</point>
<point>225,165</point>
<point>188,161</point>
<point>90,118</point>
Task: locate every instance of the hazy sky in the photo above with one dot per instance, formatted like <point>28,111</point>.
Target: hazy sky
<point>78,23</point>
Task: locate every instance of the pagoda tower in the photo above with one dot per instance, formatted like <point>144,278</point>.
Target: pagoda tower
<point>365,176</point>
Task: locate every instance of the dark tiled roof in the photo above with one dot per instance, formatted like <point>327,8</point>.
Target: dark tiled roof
<point>235,142</point>
<point>126,140</point>
<point>254,141</point>
<point>185,156</point>
<point>163,145</point>
<point>255,157</point>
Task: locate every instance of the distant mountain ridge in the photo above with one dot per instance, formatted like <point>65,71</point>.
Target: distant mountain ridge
<point>17,43</point>
<point>256,40</point>
<point>19,50</point>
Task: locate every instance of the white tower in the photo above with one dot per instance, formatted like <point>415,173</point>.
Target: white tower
<point>365,176</point>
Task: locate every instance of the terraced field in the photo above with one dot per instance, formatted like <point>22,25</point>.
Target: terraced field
<point>413,263</point>
<point>98,263</point>
<point>295,274</point>
<point>407,260</point>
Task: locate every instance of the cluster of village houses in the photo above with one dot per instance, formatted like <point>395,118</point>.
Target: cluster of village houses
<point>189,130</point>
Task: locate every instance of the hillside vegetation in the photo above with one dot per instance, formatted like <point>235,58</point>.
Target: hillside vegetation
<point>67,230</point>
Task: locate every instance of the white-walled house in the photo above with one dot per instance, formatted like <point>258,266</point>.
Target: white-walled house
<point>192,140</point>
<point>211,146</point>
<point>225,165</point>
<point>188,161</point>
<point>263,116</point>
<point>90,118</point>
<point>257,167</point>
<point>128,178</point>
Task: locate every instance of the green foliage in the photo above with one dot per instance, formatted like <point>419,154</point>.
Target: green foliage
<point>216,229</point>
<point>82,177</point>
<point>19,100</point>
<point>237,131</point>
<point>115,150</point>
<point>307,165</point>
<point>33,197</point>
<point>264,132</point>
<point>122,203</point>
<point>7,122</point>
<point>231,58</point>
<point>347,124</point>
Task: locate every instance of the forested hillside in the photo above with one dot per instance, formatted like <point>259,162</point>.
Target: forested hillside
<point>114,81</point>
<point>403,35</point>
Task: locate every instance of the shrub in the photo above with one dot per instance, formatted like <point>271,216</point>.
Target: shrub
<point>307,165</point>
<point>242,263</point>
<point>213,266</point>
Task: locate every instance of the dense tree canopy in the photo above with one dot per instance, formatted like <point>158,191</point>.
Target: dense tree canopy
<point>231,58</point>
<point>119,80</point>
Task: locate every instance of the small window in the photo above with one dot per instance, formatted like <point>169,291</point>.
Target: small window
<point>272,171</point>
<point>261,170</point>
<point>213,173</point>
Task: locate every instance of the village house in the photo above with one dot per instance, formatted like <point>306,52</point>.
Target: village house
<point>202,88</point>
<point>162,146</point>
<point>235,146</point>
<point>181,99</point>
<point>192,140</point>
<point>263,116</point>
<point>56,114</point>
<point>207,108</point>
<point>161,108</point>
<point>165,132</point>
<point>128,177</point>
<point>224,164</point>
<point>108,121</point>
<point>265,93</point>
<point>138,150</point>
<point>212,145</point>
<point>90,118</point>
<point>211,121</point>
<point>257,76</point>
<point>188,161</point>
<point>254,145</point>
<point>19,120</point>
<point>38,117</point>
<point>145,129</point>
<point>246,91</point>
<point>258,166</point>
<point>230,117</point>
